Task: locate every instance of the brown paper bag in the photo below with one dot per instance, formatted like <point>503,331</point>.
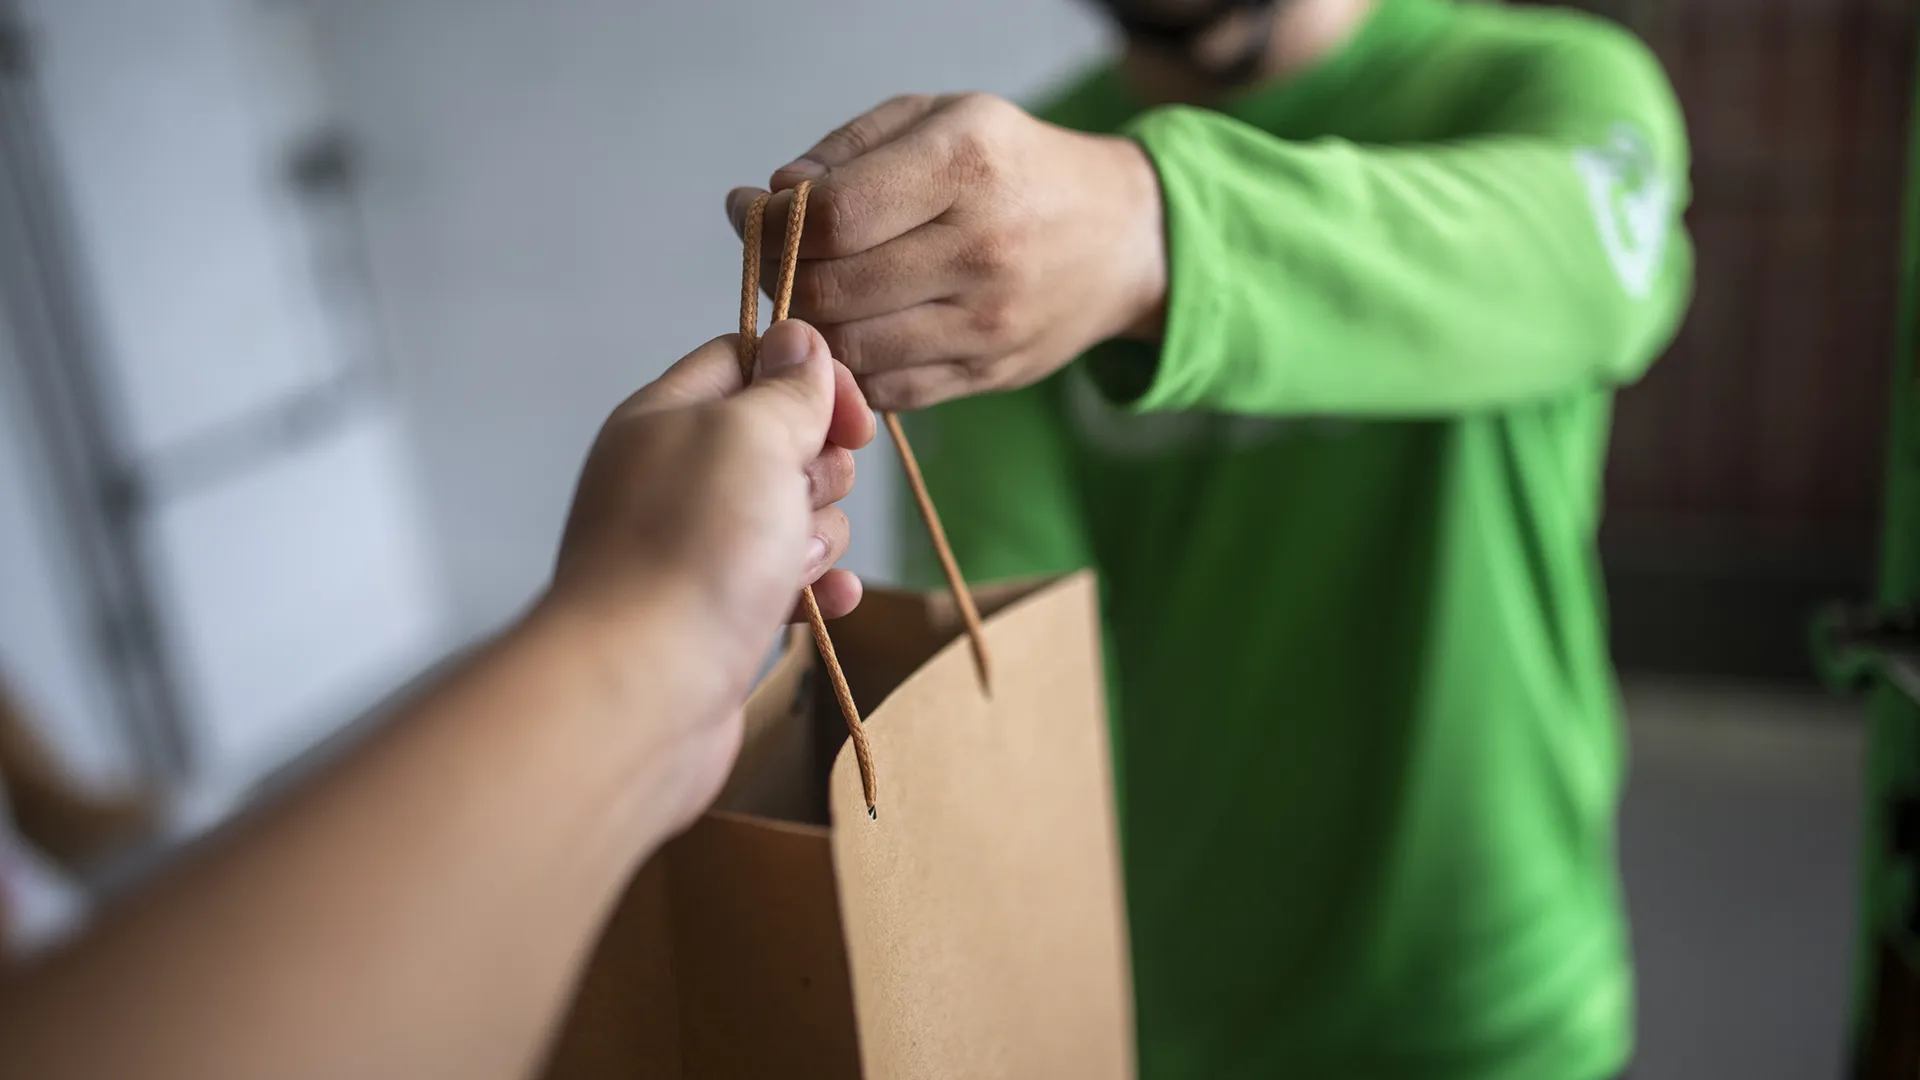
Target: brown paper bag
<point>974,929</point>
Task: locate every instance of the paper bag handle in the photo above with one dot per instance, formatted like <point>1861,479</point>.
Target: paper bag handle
<point>749,351</point>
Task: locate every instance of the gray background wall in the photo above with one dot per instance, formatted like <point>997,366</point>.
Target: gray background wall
<point>543,186</point>
<point>286,563</point>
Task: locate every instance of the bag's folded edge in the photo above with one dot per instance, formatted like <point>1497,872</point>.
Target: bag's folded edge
<point>774,698</point>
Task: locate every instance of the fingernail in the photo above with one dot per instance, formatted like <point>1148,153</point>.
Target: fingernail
<point>784,346</point>
<point>816,553</point>
<point>804,168</point>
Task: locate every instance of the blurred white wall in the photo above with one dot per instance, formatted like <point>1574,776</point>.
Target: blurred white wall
<point>289,569</point>
<point>47,643</point>
<point>542,185</point>
<point>168,144</point>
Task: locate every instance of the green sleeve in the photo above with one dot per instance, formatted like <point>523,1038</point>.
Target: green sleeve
<point>1000,470</point>
<point>1335,277</point>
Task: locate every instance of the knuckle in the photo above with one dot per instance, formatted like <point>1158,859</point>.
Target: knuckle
<point>841,467</point>
<point>831,524</point>
<point>907,394</point>
<point>827,223</point>
<point>852,137</point>
<point>907,103</point>
<point>845,346</point>
<point>834,480</point>
<point>989,256</point>
<point>972,157</point>
<point>979,366</point>
<point>816,291</point>
<point>922,396</point>
<point>1002,370</point>
<point>982,107</point>
<point>991,318</point>
<point>840,529</point>
<point>987,114</point>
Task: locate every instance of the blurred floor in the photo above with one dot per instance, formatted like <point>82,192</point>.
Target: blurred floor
<point>1740,838</point>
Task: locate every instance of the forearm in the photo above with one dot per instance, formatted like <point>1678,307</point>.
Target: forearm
<point>1336,278</point>
<point>1539,254</point>
<point>417,913</point>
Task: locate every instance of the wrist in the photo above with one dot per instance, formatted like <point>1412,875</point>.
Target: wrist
<point>1142,241</point>
<point>650,675</point>
<point>635,645</point>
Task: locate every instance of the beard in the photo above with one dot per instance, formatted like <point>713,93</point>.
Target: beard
<point>1224,40</point>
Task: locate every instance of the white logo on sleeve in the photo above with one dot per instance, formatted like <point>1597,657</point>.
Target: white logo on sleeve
<point>1632,202</point>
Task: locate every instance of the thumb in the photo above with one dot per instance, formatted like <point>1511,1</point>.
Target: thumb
<point>792,390</point>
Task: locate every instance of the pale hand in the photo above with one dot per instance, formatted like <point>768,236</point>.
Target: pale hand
<point>702,510</point>
<point>957,245</point>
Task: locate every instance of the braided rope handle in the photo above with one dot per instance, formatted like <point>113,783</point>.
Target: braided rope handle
<point>949,566</point>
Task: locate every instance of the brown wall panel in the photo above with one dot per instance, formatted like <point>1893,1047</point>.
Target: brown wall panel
<point>1768,414</point>
<point>1745,478</point>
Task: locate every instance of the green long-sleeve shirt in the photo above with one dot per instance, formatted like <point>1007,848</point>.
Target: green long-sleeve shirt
<point>1344,517</point>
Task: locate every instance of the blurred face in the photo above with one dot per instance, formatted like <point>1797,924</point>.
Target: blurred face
<point>1226,40</point>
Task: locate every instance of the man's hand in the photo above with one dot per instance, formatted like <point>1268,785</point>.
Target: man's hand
<point>704,507</point>
<point>956,245</point>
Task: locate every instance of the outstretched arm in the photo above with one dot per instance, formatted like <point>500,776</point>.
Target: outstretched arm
<point>420,912</point>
